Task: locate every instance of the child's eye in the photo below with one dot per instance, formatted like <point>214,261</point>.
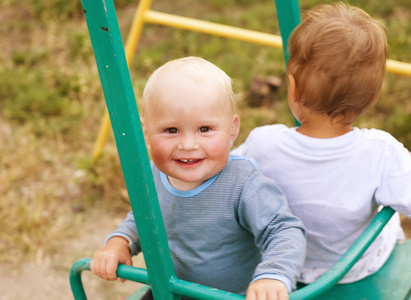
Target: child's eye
<point>172,130</point>
<point>205,129</point>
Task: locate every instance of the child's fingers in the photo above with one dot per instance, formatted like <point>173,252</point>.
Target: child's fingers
<point>127,262</point>
<point>92,268</point>
<point>251,295</point>
<point>111,269</point>
<point>95,267</point>
<point>105,260</point>
<point>102,272</point>
<point>273,296</point>
<point>267,289</point>
<point>283,295</point>
<point>102,267</point>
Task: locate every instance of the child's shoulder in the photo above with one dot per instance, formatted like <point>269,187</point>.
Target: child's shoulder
<point>381,137</point>
<point>262,138</point>
<point>237,171</point>
<point>245,163</point>
<point>265,135</point>
<point>269,130</point>
<point>243,170</point>
<point>383,144</point>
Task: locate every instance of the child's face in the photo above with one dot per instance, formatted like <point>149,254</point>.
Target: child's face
<point>189,128</point>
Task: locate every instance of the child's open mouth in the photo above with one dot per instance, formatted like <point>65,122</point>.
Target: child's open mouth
<point>188,161</point>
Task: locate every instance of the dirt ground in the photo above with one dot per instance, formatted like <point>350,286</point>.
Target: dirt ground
<point>49,279</point>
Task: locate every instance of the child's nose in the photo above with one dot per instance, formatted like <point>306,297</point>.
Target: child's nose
<point>188,142</point>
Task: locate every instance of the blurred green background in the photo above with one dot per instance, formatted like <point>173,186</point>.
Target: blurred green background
<point>51,104</point>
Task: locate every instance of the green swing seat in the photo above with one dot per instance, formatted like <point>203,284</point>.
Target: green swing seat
<point>392,281</point>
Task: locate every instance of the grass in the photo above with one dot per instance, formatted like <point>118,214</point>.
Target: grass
<point>51,104</point>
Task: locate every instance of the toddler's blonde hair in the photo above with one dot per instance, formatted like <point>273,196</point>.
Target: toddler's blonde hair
<point>195,68</point>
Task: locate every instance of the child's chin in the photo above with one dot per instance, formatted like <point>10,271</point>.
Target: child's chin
<point>185,182</point>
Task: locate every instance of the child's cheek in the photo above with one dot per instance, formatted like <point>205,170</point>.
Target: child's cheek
<point>220,148</point>
<point>214,146</point>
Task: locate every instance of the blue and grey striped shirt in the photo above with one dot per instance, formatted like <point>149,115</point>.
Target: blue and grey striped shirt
<point>233,229</point>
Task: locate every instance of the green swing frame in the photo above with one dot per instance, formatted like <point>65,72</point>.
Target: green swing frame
<point>119,95</point>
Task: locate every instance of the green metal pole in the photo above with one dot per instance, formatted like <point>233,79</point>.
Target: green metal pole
<point>288,13</point>
<point>118,91</point>
<point>200,292</point>
<point>75,278</point>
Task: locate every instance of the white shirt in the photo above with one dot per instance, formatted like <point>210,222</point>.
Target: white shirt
<point>335,186</point>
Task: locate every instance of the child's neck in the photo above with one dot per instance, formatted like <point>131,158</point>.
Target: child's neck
<point>323,127</point>
<point>183,185</point>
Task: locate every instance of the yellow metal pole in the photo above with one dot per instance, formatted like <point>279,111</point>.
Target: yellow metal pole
<point>398,67</point>
<point>102,137</point>
<point>136,29</point>
<point>130,48</point>
<point>214,29</point>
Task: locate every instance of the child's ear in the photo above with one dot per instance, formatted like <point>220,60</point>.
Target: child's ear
<point>292,88</point>
<point>143,126</point>
<point>235,129</point>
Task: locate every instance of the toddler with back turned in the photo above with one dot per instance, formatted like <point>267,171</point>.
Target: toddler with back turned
<point>336,176</point>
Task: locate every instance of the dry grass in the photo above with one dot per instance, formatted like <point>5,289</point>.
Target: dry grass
<point>51,106</point>
<point>50,116</point>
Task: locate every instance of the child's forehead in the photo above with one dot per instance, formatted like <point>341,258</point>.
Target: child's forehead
<point>179,97</point>
<point>180,79</point>
<point>180,84</point>
<point>166,85</point>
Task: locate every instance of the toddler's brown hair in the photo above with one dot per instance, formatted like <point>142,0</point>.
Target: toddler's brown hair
<point>338,56</point>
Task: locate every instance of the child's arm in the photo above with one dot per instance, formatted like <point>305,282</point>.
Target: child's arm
<point>106,259</point>
<point>279,235</point>
<point>270,289</point>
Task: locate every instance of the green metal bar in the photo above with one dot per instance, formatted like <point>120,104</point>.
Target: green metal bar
<point>200,292</point>
<point>133,274</point>
<point>123,271</point>
<point>288,13</point>
<point>345,263</point>
<point>75,278</point>
<point>118,91</point>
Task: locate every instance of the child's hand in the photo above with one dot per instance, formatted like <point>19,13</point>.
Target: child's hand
<point>267,289</point>
<point>106,259</point>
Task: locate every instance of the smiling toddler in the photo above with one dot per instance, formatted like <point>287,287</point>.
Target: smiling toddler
<point>228,226</point>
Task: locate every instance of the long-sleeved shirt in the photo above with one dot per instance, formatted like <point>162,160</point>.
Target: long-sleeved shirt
<point>234,228</point>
